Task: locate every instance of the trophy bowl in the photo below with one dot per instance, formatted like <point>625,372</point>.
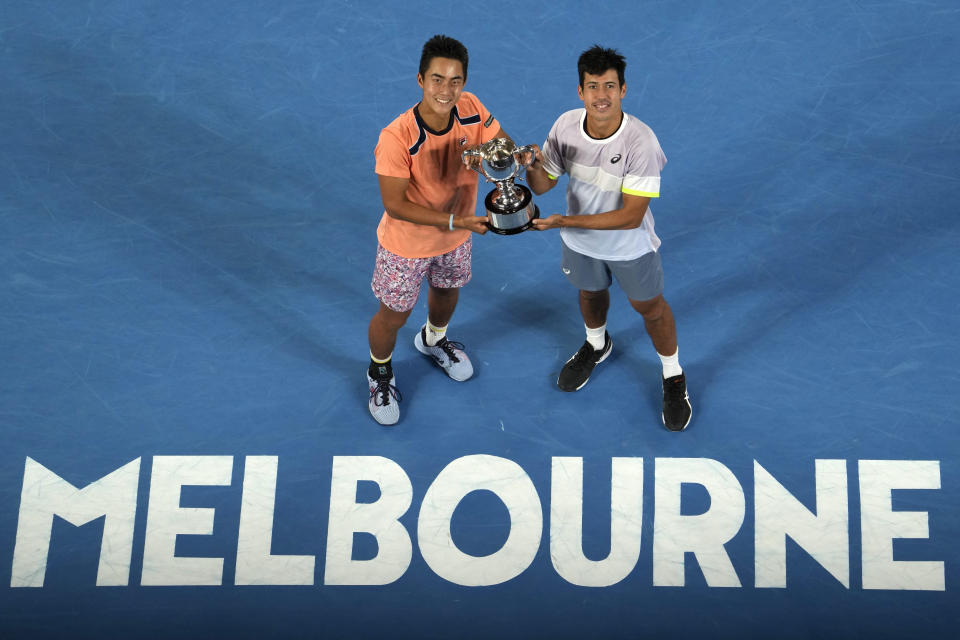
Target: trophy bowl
<point>509,206</point>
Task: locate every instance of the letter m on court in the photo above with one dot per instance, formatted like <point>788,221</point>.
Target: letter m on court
<point>45,494</point>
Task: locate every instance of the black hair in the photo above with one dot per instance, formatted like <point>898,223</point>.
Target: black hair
<point>596,61</point>
<point>440,46</point>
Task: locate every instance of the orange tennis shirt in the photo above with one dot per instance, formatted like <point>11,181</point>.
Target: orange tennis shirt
<point>432,161</point>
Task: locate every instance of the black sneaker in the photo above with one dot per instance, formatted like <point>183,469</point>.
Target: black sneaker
<point>577,370</point>
<point>676,403</point>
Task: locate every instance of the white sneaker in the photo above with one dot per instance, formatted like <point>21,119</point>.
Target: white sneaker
<point>448,355</point>
<point>384,403</point>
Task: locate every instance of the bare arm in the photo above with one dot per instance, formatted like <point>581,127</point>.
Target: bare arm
<point>629,216</point>
<point>537,176</point>
<point>393,192</point>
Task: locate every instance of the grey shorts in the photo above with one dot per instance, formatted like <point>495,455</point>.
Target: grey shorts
<point>641,279</point>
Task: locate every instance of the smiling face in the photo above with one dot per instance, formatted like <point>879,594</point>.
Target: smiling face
<point>442,84</point>
<point>601,95</point>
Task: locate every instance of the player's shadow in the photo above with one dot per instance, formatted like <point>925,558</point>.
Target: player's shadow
<point>768,278</point>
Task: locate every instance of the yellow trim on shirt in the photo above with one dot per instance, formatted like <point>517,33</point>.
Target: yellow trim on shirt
<point>647,194</point>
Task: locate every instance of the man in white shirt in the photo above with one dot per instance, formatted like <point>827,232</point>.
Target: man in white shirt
<point>613,161</point>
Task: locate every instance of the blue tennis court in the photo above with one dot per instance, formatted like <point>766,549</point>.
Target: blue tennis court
<point>188,209</point>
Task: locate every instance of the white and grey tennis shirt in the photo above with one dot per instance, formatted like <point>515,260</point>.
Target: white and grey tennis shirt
<point>629,161</point>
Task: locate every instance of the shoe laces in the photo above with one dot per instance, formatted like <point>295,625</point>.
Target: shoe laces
<point>675,390</point>
<point>383,390</point>
<point>586,357</point>
<point>449,347</point>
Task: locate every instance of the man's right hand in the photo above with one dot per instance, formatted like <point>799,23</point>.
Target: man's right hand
<point>476,224</point>
<point>550,222</point>
<point>533,160</point>
<point>537,176</point>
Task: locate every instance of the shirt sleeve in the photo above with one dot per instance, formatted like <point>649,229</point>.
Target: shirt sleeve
<point>392,156</point>
<point>489,126</point>
<point>552,157</point>
<point>646,159</point>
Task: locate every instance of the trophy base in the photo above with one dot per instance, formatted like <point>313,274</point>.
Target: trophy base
<point>513,221</point>
<point>520,229</point>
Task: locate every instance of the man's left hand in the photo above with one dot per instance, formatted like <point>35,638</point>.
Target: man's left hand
<point>471,162</point>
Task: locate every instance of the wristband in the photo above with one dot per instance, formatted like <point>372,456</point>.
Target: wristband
<point>450,224</point>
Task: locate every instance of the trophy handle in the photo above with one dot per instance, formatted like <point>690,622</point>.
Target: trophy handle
<point>475,153</point>
<point>527,148</point>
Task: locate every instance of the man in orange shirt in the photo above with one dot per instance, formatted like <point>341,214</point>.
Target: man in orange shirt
<point>429,198</point>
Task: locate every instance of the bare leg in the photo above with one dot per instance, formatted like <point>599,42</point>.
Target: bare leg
<point>658,320</point>
<point>383,330</point>
<point>594,306</point>
<point>441,304</point>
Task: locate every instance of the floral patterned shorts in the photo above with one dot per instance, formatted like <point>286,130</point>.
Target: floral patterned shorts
<point>397,280</point>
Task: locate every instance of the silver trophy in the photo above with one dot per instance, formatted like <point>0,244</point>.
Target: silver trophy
<point>510,207</point>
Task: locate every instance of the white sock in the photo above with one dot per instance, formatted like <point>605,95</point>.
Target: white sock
<point>434,334</point>
<point>671,364</point>
<point>596,337</point>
